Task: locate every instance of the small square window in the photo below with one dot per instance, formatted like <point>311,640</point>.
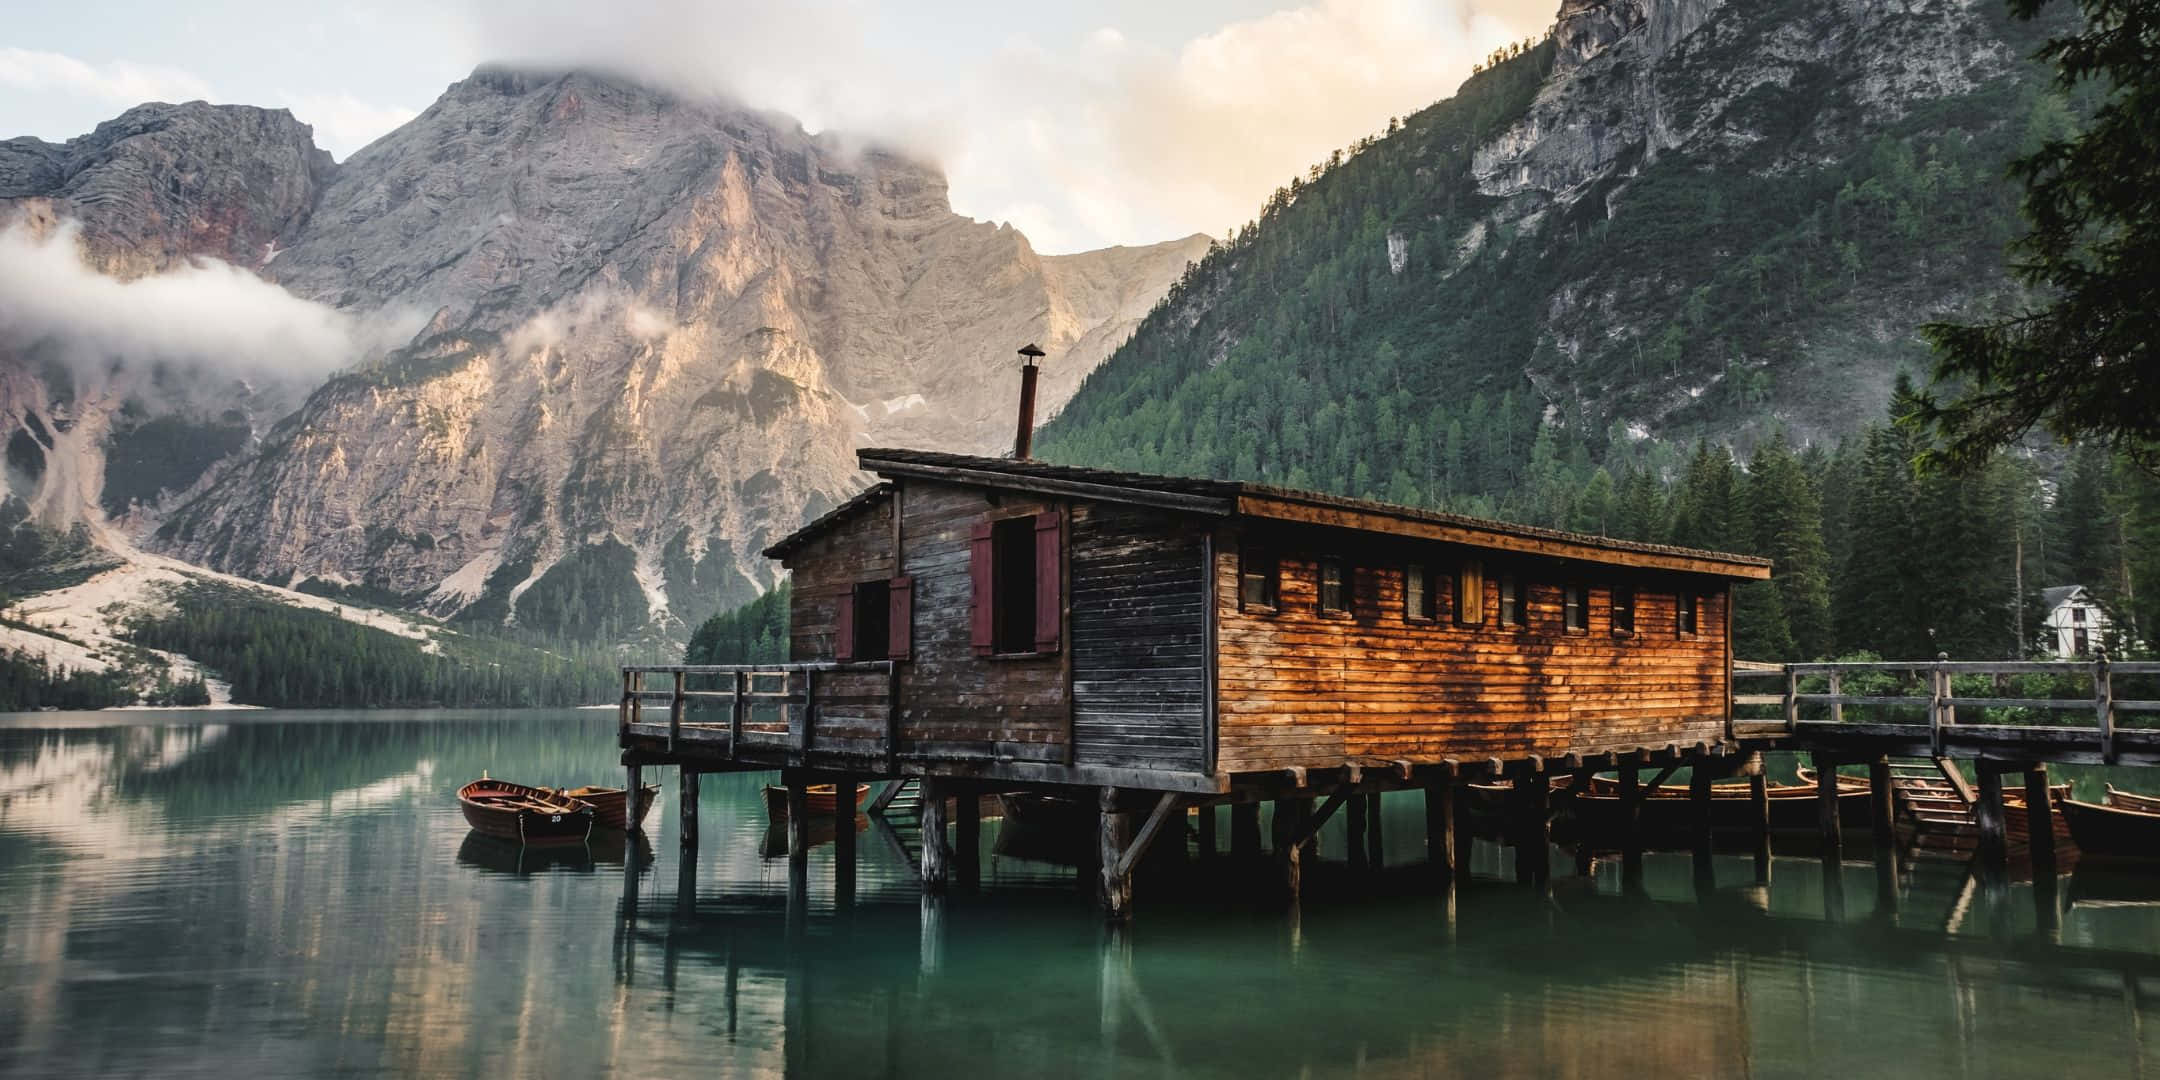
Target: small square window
<point>1470,593</point>
<point>1623,609</point>
<point>1686,612</point>
<point>1258,579</point>
<point>1574,608</point>
<point>1334,586</point>
<point>1510,592</point>
<point>1420,603</point>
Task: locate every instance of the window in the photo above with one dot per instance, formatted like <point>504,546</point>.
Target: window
<point>1258,579</point>
<point>1623,609</point>
<point>1685,612</point>
<point>874,621</point>
<point>1334,587</point>
<point>2077,614</point>
<point>1574,608</point>
<point>1016,570</point>
<point>1470,592</point>
<point>1419,602</point>
<point>1510,600</point>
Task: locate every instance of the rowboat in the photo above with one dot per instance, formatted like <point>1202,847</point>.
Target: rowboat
<point>611,804</point>
<point>2125,826</point>
<point>818,799</point>
<point>1670,809</point>
<point>528,815</point>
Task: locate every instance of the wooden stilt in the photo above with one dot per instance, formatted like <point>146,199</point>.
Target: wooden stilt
<point>798,816</point>
<point>1440,827</point>
<point>634,782</point>
<point>967,836</point>
<point>1282,824</point>
<point>1465,832</point>
<point>1759,821</point>
<point>1699,826</point>
<point>1631,824</point>
<point>1312,836</point>
<point>843,822</point>
<point>1113,835</point>
<point>1994,847</point>
<point>1826,806</point>
<point>1205,820</point>
<point>935,856</point>
<point>1356,828</point>
<point>1375,851</point>
<point>1290,817</point>
<point>1882,807</point>
<point>1533,829</point>
<point>2039,824</point>
<point>685,882</point>
<point>1245,830</point>
<point>686,800</point>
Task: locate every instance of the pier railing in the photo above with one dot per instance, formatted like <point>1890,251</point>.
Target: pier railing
<point>784,708</point>
<point>2009,707</point>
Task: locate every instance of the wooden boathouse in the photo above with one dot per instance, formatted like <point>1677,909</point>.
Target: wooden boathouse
<point>1151,643</point>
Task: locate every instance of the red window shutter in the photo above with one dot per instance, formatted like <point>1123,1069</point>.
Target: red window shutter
<point>1049,580</point>
<point>844,628</point>
<point>979,563</point>
<point>902,617</point>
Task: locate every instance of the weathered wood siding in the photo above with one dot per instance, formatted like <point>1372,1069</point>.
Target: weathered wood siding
<point>1139,638</point>
<point>1297,687</point>
<point>851,706</point>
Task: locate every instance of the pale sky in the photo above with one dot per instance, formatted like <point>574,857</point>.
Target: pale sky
<point>1124,121</point>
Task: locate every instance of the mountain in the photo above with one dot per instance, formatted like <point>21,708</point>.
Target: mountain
<point>1670,220</point>
<point>638,336</point>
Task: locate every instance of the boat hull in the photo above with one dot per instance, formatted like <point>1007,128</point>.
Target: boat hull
<point>611,806</point>
<point>527,815</point>
<point>819,799</point>
<point>2113,832</point>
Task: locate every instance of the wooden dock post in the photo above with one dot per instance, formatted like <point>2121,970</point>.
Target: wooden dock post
<point>798,816</point>
<point>1882,806</point>
<point>2040,825</point>
<point>1631,823</point>
<point>1245,830</point>
<point>934,854</point>
<point>1206,842</point>
<point>1699,826</point>
<point>1440,848</point>
<point>686,799</point>
<point>1759,820</point>
<point>1113,834</point>
<point>1533,829</point>
<point>967,836</point>
<point>634,783</point>
<point>1375,851</point>
<point>843,822</point>
<point>1994,849</point>
<point>1355,810</point>
<point>1465,833</point>
<point>1826,808</point>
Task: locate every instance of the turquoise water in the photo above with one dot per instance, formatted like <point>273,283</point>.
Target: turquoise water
<point>279,894</point>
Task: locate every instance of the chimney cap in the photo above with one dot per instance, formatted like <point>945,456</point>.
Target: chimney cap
<point>1030,351</point>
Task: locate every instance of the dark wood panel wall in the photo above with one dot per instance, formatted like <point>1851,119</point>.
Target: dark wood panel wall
<point>1298,686</point>
<point>1139,638</point>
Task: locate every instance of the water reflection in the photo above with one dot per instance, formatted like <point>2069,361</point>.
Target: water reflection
<point>294,897</point>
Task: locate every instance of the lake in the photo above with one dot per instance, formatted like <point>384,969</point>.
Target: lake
<point>296,894</point>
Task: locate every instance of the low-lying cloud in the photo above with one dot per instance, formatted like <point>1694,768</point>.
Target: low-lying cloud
<point>1097,137</point>
<point>210,314</point>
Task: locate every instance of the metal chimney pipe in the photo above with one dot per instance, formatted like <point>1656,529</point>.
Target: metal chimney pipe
<point>1024,439</point>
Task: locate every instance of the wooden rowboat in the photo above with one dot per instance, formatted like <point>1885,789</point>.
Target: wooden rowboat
<point>611,805</point>
<point>2126,826</point>
<point>818,799</point>
<point>528,815</point>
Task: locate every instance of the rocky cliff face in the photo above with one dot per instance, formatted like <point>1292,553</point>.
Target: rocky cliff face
<point>654,331</point>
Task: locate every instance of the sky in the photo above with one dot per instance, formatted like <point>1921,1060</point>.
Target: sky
<point>1118,122</point>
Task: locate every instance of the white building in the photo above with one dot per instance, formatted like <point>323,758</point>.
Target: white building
<point>2075,623</point>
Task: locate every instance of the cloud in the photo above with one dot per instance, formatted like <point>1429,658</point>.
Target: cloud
<point>1098,136</point>
<point>343,123</point>
<point>117,81</point>
<point>210,314</point>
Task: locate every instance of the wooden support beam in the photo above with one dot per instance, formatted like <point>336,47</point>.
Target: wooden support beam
<point>1699,823</point>
<point>2040,823</point>
<point>1245,830</point>
<point>1465,832</point>
<point>1663,775</point>
<point>1826,808</point>
<point>686,802</point>
<point>1356,830</point>
<point>634,783</point>
<point>1631,823</point>
<point>798,816</point>
<point>1440,827</point>
<point>1375,850</point>
<point>1759,822</point>
<point>1114,887</point>
<point>843,823</point>
<point>1169,805</point>
<point>885,795</point>
<point>1206,840</point>
<point>967,836</point>
<point>1882,804</point>
<point>1533,830</point>
<point>1994,848</point>
<point>936,867</point>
